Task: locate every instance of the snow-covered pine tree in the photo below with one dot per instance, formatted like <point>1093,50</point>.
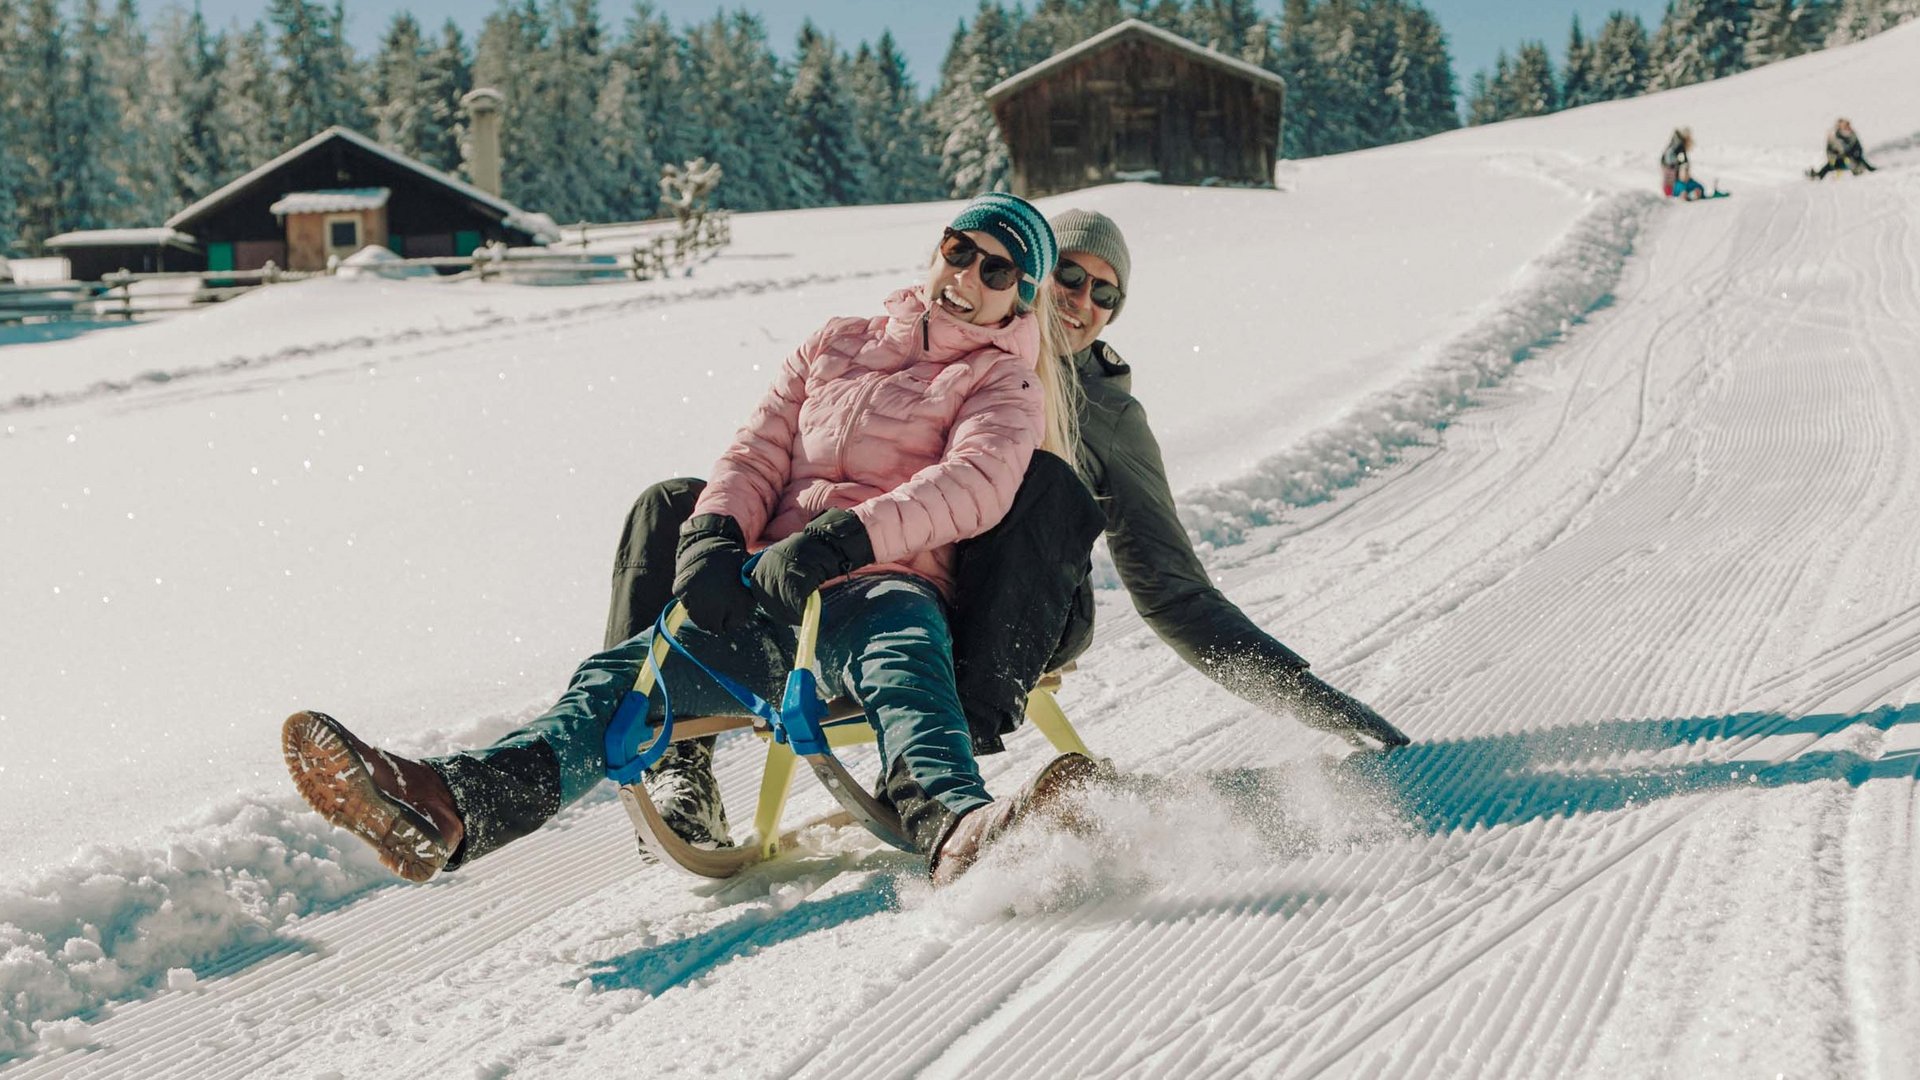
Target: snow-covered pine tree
<point>973,157</point>
<point>1576,73</point>
<point>1481,107</point>
<point>1501,103</point>
<point>1294,62</point>
<point>1812,20</point>
<point>446,78</point>
<point>1700,40</point>
<point>141,166</point>
<point>1231,27</point>
<point>12,131</point>
<point>399,94</point>
<point>827,123</point>
<point>90,135</point>
<point>1533,90</point>
<point>1344,51</point>
<point>316,76</point>
<point>621,159</point>
<point>647,117</point>
<point>1620,57</point>
<point>893,123</point>
<point>187,80</point>
<point>573,72</point>
<point>248,102</point>
<point>738,94</point>
<point>1856,20</point>
<point>1426,70</point>
<point>1770,34</point>
<point>42,70</point>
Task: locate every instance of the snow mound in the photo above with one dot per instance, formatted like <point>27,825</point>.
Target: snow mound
<point>119,920</point>
<point>374,261</point>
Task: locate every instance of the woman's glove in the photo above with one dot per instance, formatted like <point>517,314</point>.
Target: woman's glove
<point>832,545</point>
<point>706,575</point>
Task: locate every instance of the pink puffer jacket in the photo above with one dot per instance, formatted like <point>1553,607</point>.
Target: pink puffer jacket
<point>919,423</point>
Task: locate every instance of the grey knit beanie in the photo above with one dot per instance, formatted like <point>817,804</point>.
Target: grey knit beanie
<point>1096,234</point>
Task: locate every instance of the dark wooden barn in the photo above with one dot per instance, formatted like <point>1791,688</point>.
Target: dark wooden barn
<point>340,191</point>
<point>1135,102</point>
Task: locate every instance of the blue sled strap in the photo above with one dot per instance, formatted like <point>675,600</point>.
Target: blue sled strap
<point>626,760</point>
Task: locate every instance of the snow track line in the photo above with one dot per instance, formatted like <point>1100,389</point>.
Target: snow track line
<point>438,339</point>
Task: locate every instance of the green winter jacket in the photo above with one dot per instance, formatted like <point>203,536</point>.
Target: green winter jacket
<point>1157,564</point>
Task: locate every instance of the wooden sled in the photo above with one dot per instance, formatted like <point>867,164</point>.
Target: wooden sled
<point>844,723</point>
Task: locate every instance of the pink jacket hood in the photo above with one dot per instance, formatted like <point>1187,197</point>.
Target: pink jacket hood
<point>919,423</point>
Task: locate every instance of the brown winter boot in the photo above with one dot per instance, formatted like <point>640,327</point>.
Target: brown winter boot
<point>400,806</point>
<point>1049,792</point>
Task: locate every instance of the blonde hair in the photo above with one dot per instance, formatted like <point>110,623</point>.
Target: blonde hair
<point>1061,388</point>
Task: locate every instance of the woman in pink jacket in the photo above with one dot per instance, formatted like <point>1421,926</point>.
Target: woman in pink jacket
<point>881,443</point>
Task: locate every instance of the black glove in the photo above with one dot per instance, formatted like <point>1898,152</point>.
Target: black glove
<point>833,544</point>
<point>1321,706</point>
<point>706,575</point>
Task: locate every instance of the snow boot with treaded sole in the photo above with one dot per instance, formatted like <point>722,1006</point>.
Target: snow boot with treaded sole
<point>400,806</point>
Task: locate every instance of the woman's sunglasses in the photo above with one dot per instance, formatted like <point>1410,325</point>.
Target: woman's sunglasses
<point>996,272</point>
<point>1071,275</point>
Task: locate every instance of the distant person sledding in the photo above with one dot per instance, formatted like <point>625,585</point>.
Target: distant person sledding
<point>1843,152</point>
<point>1676,170</point>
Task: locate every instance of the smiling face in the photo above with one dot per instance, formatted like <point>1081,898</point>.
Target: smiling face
<point>1082,318</point>
<point>962,294</point>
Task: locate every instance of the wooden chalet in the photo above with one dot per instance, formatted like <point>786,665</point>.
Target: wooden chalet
<point>1135,102</point>
<point>340,191</point>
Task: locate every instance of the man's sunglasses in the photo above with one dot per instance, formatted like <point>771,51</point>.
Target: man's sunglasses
<point>1071,275</point>
<point>996,272</point>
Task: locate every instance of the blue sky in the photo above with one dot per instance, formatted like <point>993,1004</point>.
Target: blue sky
<point>1476,29</point>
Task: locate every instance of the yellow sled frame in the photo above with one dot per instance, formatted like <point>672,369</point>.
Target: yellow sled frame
<point>845,725</point>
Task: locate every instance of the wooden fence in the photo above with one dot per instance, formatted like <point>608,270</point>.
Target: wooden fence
<point>657,253</point>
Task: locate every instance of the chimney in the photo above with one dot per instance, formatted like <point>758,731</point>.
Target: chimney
<point>483,137</point>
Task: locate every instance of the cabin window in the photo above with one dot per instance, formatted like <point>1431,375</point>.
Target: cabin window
<point>1063,135</point>
<point>344,234</point>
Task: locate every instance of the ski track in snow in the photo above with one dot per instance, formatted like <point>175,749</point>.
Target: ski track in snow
<point>1665,623</point>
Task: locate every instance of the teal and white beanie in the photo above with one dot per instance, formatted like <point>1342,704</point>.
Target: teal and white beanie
<point>1018,225</point>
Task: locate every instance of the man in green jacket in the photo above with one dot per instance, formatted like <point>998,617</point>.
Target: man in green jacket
<point>1027,605</point>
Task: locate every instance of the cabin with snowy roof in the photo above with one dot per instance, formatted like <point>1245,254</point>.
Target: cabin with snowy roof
<point>1135,102</point>
<point>328,197</point>
<point>339,192</point>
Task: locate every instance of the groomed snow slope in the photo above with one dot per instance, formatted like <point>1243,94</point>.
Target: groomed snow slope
<point>1650,605</point>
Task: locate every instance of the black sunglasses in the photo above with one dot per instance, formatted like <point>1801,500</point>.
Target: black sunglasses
<point>996,272</point>
<point>1071,275</point>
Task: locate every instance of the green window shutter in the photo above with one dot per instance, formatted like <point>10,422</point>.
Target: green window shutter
<point>466,242</point>
<point>220,255</point>
<point>397,244</point>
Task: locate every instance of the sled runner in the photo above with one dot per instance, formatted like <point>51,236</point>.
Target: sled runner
<point>801,728</point>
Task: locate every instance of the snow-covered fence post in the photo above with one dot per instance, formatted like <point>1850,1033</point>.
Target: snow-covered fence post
<point>121,279</point>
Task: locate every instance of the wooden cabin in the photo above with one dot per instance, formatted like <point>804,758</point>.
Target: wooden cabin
<point>340,191</point>
<point>1135,102</point>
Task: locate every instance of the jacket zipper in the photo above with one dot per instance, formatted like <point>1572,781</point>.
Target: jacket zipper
<point>866,392</point>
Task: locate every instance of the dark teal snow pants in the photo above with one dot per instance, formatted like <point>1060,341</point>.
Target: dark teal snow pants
<point>883,639</point>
